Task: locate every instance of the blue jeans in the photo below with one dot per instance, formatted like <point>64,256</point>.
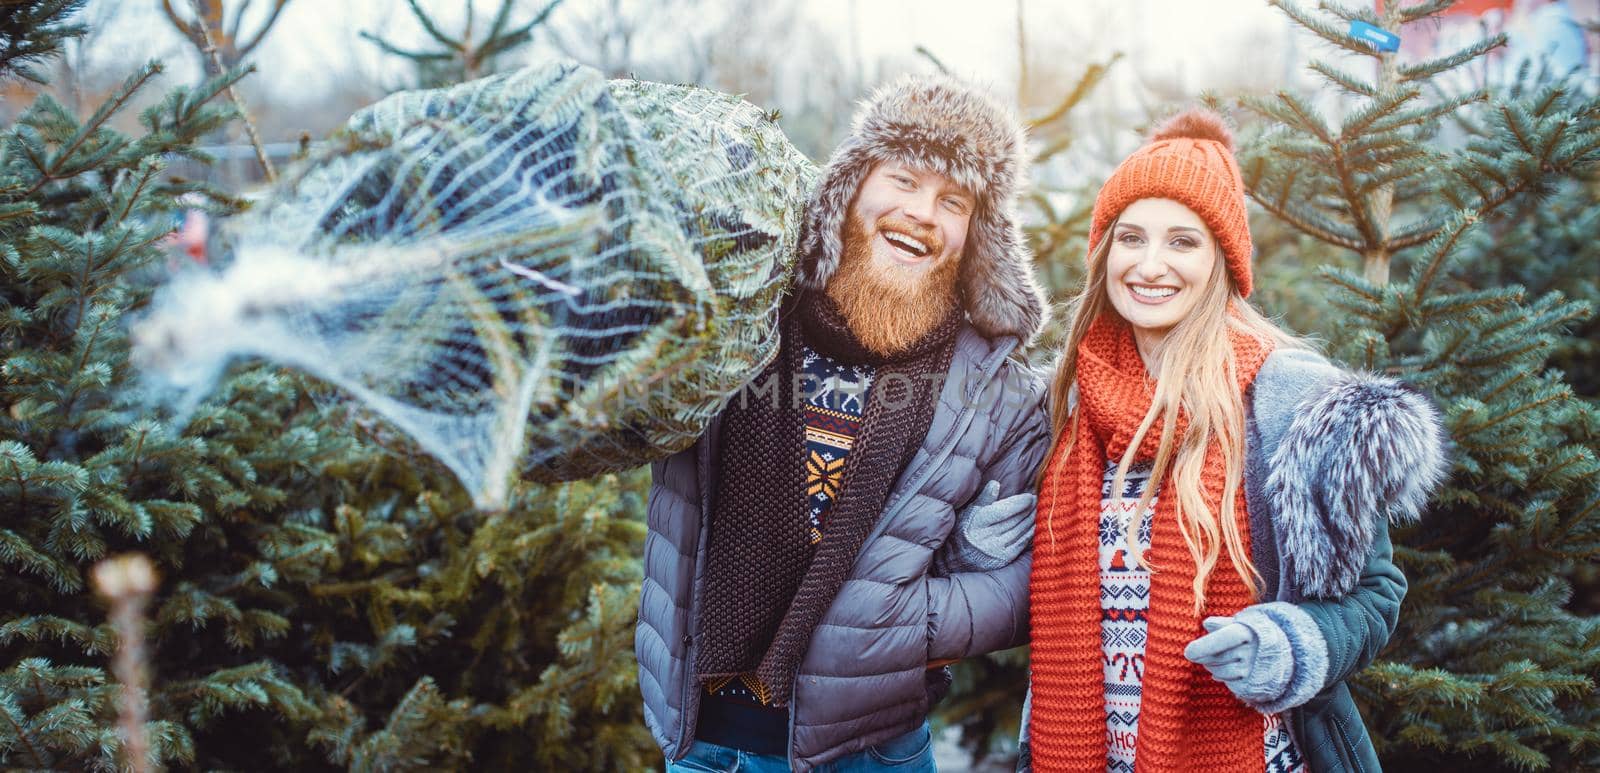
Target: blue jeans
<point>910,752</point>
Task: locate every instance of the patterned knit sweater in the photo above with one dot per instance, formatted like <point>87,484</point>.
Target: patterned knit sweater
<point>1124,601</point>
<point>836,397</point>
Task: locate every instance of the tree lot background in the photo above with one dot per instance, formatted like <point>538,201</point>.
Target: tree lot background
<point>330,600</point>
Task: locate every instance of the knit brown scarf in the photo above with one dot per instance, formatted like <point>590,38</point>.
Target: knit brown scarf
<point>766,586</point>
<point>1188,721</point>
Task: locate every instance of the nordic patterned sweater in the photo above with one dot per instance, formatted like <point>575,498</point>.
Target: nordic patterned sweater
<point>1124,600</point>
<point>836,398</point>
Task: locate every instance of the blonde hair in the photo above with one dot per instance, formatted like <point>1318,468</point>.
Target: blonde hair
<point>1199,374</point>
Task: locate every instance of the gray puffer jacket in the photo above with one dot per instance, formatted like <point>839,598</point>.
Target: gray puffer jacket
<point>863,679</point>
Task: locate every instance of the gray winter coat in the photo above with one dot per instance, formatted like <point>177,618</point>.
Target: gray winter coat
<point>863,679</point>
<point>1332,458</point>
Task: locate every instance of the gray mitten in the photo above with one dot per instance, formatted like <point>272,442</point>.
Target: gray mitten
<point>990,533</point>
<point>1250,653</point>
<point>1255,668</point>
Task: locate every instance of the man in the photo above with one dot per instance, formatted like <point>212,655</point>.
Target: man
<point>790,616</point>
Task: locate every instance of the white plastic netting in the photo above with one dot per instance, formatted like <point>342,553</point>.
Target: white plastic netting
<point>539,274</point>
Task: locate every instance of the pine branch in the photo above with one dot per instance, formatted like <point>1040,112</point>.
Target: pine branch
<point>16,551</point>
<point>1290,109</point>
<point>149,174</point>
<point>114,103</point>
<point>1581,156</point>
<point>388,48</point>
<point>27,740</point>
<point>933,59</point>
<point>189,30</point>
<point>1440,248</point>
<point>1055,147</point>
<point>1304,222</point>
<point>1387,104</point>
<point>1427,113</point>
<point>1330,33</point>
<point>239,11</point>
<point>432,29</point>
<point>1389,148</point>
<point>500,18</point>
<point>497,43</point>
<point>1443,64</point>
<point>91,641</point>
<point>541,17</point>
<point>190,118</point>
<point>1423,10</point>
<point>1344,80</point>
<point>1426,229</point>
<point>1092,75</point>
<point>31,35</point>
<point>266,26</point>
<point>1366,224</point>
<point>1392,174</point>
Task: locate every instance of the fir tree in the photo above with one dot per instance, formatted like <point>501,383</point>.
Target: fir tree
<point>1491,666</point>
<point>82,208</point>
<point>328,598</point>
<point>457,59</point>
<point>32,32</point>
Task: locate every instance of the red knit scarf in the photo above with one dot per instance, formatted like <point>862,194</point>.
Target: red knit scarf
<point>1188,721</point>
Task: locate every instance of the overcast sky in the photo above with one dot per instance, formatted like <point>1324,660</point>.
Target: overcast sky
<point>315,41</point>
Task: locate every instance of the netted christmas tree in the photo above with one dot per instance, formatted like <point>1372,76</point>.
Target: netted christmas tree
<point>329,598</point>
<point>538,274</point>
<point>1424,196</point>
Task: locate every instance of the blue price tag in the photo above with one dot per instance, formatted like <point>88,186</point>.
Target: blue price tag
<point>1380,38</point>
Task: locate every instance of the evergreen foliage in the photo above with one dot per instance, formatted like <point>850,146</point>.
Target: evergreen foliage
<point>1477,201</point>
<point>328,598</point>
<point>453,60</point>
<point>33,32</point>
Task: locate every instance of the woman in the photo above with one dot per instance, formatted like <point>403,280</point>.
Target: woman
<point>1218,628</point>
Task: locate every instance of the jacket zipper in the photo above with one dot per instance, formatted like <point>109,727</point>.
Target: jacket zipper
<point>969,410</point>
<point>689,694</point>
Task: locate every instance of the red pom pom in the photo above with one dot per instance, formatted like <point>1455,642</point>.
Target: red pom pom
<point>1198,124</point>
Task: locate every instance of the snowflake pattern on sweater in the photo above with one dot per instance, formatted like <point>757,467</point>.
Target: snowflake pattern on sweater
<point>1124,604</point>
<point>835,403</point>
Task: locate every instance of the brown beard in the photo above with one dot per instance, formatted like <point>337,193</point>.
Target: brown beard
<point>889,313</point>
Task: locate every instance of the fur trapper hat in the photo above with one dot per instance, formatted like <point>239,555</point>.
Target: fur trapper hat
<point>941,125</point>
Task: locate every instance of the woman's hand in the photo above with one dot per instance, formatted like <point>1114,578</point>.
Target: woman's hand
<point>1249,653</point>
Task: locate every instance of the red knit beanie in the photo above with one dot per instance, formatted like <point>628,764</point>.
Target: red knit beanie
<point>1188,159</point>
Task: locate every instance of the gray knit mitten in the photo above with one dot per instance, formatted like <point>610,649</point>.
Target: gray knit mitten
<point>1254,664</point>
<point>990,533</point>
<point>1273,656</point>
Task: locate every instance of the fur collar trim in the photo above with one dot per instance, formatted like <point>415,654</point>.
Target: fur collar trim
<point>1361,450</point>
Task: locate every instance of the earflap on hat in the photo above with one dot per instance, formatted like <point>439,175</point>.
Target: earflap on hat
<point>940,125</point>
<point>822,231</point>
<point>1000,293</point>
